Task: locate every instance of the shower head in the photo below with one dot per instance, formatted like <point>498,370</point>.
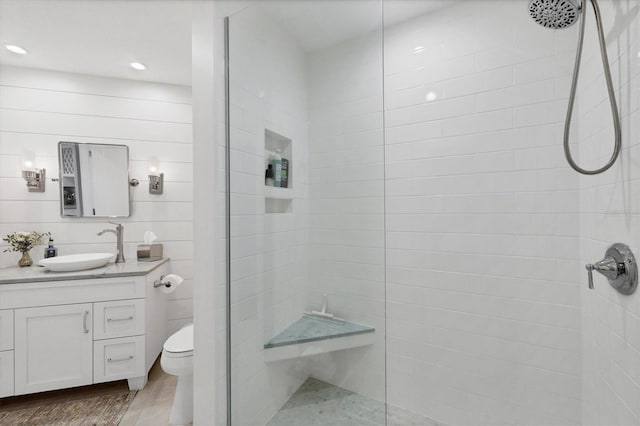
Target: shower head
<point>555,13</point>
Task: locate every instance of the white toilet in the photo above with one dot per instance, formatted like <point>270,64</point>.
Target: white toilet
<point>177,360</point>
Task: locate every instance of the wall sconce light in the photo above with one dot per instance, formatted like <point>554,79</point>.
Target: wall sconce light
<point>156,179</point>
<point>35,177</point>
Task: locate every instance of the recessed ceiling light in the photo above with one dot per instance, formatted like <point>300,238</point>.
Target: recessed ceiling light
<point>431,96</point>
<point>418,49</point>
<point>15,49</point>
<point>137,66</point>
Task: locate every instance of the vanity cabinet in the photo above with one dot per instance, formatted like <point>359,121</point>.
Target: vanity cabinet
<point>6,373</point>
<point>52,347</point>
<point>6,353</point>
<point>6,330</point>
<point>82,330</point>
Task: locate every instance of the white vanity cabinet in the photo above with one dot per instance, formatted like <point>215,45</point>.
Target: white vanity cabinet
<point>6,353</point>
<point>81,330</point>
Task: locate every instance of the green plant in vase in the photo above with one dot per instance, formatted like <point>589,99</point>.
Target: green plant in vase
<point>23,242</point>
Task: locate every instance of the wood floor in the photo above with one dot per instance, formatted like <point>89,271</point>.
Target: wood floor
<point>150,407</point>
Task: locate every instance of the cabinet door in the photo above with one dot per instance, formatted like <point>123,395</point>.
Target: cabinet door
<point>6,373</point>
<point>6,330</point>
<point>53,347</point>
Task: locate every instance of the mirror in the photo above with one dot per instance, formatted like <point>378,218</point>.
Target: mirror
<point>94,180</point>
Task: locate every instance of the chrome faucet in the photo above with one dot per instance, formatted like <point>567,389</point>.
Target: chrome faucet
<point>119,231</point>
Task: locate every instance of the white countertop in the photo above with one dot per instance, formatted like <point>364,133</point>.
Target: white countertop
<point>35,273</point>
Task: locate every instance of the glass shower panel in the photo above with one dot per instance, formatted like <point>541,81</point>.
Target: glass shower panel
<point>307,282</point>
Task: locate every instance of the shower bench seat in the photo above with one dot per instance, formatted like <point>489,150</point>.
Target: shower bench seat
<point>311,335</point>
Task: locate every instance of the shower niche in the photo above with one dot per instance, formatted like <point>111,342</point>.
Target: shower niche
<point>278,199</point>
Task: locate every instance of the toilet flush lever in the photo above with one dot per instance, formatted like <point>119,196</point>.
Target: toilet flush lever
<point>620,268</point>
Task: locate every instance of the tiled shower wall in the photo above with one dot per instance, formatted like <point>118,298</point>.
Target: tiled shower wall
<point>483,306</point>
<point>38,108</point>
<point>346,190</point>
<point>268,250</point>
<point>609,213</point>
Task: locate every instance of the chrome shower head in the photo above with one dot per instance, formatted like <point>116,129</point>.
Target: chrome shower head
<point>555,13</point>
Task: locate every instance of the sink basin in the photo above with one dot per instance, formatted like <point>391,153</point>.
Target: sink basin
<point>76,262</point>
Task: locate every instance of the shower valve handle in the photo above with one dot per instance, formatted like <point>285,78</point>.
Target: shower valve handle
<point>607,267</point>
<point>620,268</point>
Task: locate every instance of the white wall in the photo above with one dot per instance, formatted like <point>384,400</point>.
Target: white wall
<point>483,314</point>
<point>346,190</point>
<point>268,250</point>
<point>209,394</point>
<point>39,108</point>
<point>609,213</point>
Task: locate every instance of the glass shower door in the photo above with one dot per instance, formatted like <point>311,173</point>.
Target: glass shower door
<point>307,280</point>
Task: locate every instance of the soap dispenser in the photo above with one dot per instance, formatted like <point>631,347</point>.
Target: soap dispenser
<point>51,250</point>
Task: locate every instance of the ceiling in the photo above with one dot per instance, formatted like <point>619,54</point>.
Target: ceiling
<point>100,37</point>
<point>319,24</point>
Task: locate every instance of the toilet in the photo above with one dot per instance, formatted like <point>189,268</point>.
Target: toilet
<point>177,360</point>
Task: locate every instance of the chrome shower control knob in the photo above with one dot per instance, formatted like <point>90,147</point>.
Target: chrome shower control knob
<point>620,268</point>
<point>607,267</point>
<point>590,267</point>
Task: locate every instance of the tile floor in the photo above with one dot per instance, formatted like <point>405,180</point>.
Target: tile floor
<point>317,403</point>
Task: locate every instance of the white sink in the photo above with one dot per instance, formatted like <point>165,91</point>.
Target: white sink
<point>76,262</point>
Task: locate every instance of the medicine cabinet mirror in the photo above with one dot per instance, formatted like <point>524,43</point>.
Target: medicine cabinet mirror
<point>94,180</point>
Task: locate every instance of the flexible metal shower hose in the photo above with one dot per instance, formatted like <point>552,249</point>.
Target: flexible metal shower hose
<point>612,97</point>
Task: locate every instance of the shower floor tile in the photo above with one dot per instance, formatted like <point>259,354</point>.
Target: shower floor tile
<point>317,403</point>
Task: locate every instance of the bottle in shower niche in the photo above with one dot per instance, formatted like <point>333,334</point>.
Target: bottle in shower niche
<point>268,176</point>
<point>276,162</point>
<point>284,181</point>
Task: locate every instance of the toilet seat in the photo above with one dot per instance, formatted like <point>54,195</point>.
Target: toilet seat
<point>178,355</point>
<point>180,344</point>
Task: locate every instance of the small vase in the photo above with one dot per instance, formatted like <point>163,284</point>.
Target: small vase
<point>25,260</point>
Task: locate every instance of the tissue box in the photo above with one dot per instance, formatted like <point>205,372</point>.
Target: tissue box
<point>149,252</point>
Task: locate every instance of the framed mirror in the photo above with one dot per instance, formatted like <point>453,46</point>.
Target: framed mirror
<point>94,180</point>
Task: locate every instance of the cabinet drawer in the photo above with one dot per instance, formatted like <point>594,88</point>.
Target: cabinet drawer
<point>6,374</point>
<point>6,330</point>
<point>116,359</point>
<point>120,318</point>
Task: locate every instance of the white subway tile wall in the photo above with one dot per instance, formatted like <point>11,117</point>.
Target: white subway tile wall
<point>482,220</point>
<point>609,213</point>
<point>38,108</point>
<point>346,191</point>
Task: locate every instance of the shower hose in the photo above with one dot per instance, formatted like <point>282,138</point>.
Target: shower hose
<point>612,97</point>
